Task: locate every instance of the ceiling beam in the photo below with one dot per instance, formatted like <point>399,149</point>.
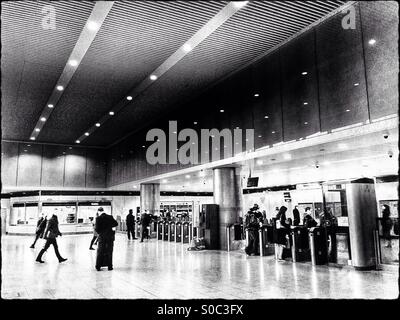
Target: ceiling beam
<point>89,32</point>
<point>213,24</point>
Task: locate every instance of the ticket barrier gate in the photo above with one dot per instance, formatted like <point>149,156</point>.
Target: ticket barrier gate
<point>300,244</point>
<point>160,230</point>
<point>185,232</point>
<point>265,236</point>
<point>178,232</point>
<point>165,230</point>
<point>318,245</point>
<point>171,231</point>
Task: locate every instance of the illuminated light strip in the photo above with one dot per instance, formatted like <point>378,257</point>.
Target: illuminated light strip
<point>213,24</point>
<point>97,17</point>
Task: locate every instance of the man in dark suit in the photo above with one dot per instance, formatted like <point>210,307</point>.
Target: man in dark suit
<point>130,225</point>
<point>104,227</point>
<point>40,227</point>
<point>146,218</point>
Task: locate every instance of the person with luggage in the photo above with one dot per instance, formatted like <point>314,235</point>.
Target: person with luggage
<point>130,225</point>
<point>253,220</point>
<point>387,225</point>
<point>50,234</point>
<point>95,234</point>
<point>283,229</point>
<point>40,227</point>
<point>104,227</point>
<point>145,224</point>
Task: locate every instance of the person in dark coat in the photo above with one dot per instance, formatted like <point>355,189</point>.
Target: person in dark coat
<point>252,224</point>
<point>146,218</point>
<point>296,216</point>
<point>308,220</point>
<point>387,225</point>
<point>40,227</point>
<point>283,229</point>
<point>104,227</point>
<point>95,234</point>
<point>50,234</point>
<point>130,225</point>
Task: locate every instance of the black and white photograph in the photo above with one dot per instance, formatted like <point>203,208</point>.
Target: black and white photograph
<point>195,157</point>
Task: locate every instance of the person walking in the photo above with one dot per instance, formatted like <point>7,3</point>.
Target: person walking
<point>50,234</point>
<point>95,234</point>
<point>283,229</point>
<point>130,225</point>
<point>252,224</point>
<point>145,223</point>
<point>104,227</point>
<point>296,216</point>
<point>387,225</point>
<point>40,227</point>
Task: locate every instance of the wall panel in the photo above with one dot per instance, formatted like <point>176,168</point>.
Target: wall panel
<point>95,168</point>
<point>29,164</point>
<point>9,160</point>
<point>53,166</point>
<point>342,85</point>
<point>300,104</point>
<point>75,167</point>
<point>380,23</point>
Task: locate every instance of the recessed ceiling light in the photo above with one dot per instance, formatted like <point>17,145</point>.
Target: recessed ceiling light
<point>111,113</point>
<point>29,145</point>
<point>195,122</point>
<point>153,77</point>
<point>260,136</point>
<point>86,133</point>
<point>73,63</point>
<point>347,110</point>
<point>266,117</point>
<point>239,4</point>
<point>50,106</point>
<point>174,132</point>
<point>26,150</point>
<point>77,141</point>
<point>60,88</point>
<point>372,42</point>
<point>97,124</point>
<point>273,132</point>
<point>256,95</point>
<point>128,98</point>
<point>187,176</point>
<point>305,103</point>
<point>306,122</point>
<point>92,25</point>
<point>222,110</point>
<point>356,84</point>
<point>304,73</point>
<point>33,138</point>
<point>187,47</point>
<point>43,119</point>
<point>143,146</point>
<point>135,187</point>
<point>37,129</point>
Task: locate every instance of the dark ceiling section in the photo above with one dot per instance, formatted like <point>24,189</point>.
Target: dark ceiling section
<point>33,58</point>
<point>135,39</point>
<point>255,29</point>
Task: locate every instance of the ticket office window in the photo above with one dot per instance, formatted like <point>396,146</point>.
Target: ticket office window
<point>31,213</point>
<point>87,210</point>
<point>24,213</point>
<point>65,212</point>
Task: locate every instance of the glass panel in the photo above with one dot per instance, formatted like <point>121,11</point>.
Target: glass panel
<point>32,215</point>
<point>65,214</point>
<point>17,216</point>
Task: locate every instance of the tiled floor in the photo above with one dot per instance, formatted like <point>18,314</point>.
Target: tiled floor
<point>157,269</point>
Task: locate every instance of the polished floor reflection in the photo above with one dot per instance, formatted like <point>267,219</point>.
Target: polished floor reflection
<point>156,269</point>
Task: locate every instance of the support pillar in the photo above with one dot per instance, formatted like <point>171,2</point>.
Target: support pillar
<point>362,211</point>
<point>150,198</point>
<point>228,196</point>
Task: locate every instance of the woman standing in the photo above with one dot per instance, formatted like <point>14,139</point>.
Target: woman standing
<point>50,234</point>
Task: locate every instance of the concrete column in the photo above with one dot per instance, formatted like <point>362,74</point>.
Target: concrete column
<point>150,197</point>
<point>228,196</point>
<point>362,211</point>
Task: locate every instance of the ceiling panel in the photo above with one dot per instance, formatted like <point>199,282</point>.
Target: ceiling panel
<point>135,39</point>
<point>255,29</point>
<point>33,58</point>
